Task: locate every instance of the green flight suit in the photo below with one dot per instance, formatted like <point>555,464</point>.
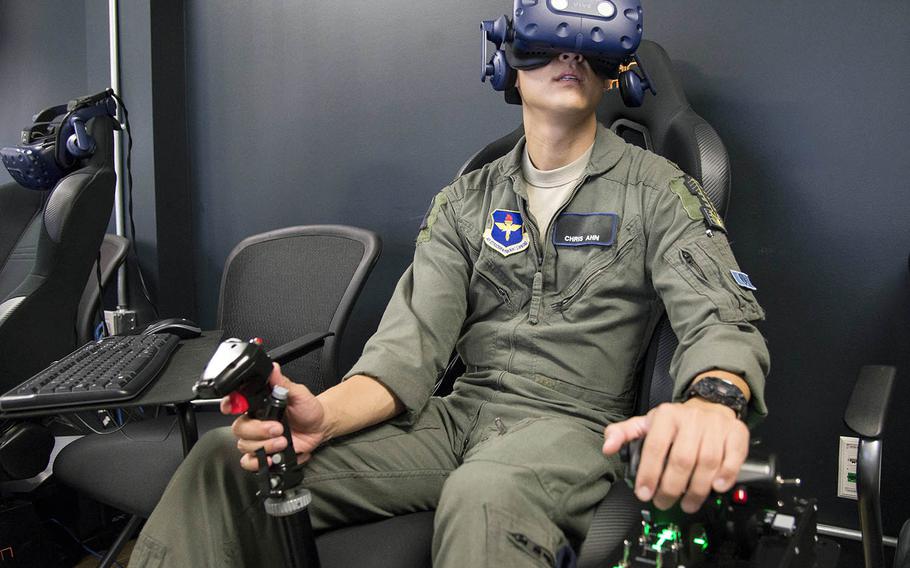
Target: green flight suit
<point>550,336</point>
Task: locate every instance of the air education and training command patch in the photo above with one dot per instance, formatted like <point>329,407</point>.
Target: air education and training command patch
<point>506,234</point>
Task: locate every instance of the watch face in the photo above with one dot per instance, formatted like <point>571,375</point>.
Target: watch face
<point>715,389</point>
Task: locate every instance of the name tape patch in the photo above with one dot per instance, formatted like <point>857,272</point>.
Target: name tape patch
<point>506,234</point>
<point>743,280</point>
<point>585,229</point>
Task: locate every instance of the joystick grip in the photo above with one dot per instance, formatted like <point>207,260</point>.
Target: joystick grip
<point>240,369</point>
<point>755,470</point>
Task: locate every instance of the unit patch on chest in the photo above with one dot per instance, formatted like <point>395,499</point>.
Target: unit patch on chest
<point>585,229</point>
<point>506,234</point>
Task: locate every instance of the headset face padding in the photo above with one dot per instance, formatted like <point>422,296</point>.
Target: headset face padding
<point>524,61</point>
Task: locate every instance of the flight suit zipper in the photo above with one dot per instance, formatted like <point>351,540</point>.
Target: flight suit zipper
<point>537,283</point>
<point>693,265</point>
<point>699,273</point>
<point>535,550</point>
<point>500,291</point>
<point>469,431</point>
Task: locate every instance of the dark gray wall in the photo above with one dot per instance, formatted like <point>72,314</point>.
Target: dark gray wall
<point>322,115</point>
<point>304,112</point>
<point>41,62</point>
<point>52,51</point>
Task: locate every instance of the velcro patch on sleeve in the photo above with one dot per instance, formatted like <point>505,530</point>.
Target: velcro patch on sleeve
<point>426,226</point>
<point>697,203</point>
<point>585,229</point>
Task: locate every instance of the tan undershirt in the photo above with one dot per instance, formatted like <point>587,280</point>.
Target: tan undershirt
<point>549,190</point>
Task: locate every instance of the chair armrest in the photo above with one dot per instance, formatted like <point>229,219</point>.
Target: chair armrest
<point>868,406</point>
<point>865,415</point>
<point>299,347</point>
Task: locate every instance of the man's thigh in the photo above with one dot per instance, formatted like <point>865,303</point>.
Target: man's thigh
<point>557,461</point>
<point>389,469</point>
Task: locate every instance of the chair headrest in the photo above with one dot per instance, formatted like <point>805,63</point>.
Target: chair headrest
<point>658,112</point>
<point>670,127</point>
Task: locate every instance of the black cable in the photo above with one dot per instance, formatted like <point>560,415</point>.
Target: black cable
<point>105,331</point>
<point>129,178</point>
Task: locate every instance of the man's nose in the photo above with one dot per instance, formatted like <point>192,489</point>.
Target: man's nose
<point>570,57</point>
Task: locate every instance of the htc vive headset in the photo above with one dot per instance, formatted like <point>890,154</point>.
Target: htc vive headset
<point>605,32</point>
<point>50,148</point>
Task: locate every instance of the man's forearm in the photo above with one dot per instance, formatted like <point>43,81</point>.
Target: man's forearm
<point>357,403</point>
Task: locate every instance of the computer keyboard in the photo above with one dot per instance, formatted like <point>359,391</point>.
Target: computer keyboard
<point>109,370</point>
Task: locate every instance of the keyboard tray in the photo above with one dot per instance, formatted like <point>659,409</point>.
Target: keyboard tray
<point>112,369</point>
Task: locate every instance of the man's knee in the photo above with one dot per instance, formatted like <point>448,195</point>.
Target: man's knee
<point>503,510</point>
<point>215,447</point>
<point>213,462</point>
<point>477,483</point>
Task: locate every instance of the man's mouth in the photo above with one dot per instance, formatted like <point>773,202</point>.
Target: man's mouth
<point>569,77</point>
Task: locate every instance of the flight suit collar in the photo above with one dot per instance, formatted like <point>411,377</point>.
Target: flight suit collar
<point>608,149</point>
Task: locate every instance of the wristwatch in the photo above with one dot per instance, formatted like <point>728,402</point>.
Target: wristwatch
<point>721,391</point>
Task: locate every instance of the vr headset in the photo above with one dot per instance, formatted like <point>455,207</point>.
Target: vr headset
<point>605,32</point>
<point>50,148</point>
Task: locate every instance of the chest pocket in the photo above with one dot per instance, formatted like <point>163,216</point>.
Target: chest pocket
<point>499,281</point>
<point>612,267</point>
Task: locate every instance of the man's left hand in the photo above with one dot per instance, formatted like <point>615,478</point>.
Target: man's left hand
<point>689,449</point>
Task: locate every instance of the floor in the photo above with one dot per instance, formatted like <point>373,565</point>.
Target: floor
<point>124,556</point>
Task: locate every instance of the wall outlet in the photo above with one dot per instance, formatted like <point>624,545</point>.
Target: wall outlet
<point>846,467</point>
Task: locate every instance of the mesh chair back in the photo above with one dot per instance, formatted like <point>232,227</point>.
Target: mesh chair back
<point>284,284</point>
<point>666,125</point>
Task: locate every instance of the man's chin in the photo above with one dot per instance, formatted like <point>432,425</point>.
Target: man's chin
<point>569,107</point>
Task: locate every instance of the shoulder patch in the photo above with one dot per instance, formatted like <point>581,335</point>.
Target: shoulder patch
<point>426,226</point>
<point>697,203</point>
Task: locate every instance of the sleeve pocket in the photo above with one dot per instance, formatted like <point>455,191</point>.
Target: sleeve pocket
<point>706,264</point>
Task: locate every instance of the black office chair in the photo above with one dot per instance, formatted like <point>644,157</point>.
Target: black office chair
<point>48,263</point>
<point>668,126</point>
<point>280,286</point>
<point>48,242</point>
<point>21,224</point>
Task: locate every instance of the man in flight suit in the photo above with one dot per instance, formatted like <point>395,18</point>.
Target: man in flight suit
<point>546,270</point>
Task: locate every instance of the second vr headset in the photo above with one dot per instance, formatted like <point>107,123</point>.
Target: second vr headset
<point>53,146</point>
<point>606,33</point>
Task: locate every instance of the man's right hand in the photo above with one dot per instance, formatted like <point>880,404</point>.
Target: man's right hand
<point>306,417</point>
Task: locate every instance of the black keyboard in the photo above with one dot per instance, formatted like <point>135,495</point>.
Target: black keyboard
<point>109,370</point>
